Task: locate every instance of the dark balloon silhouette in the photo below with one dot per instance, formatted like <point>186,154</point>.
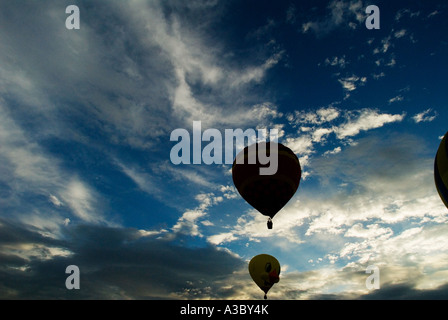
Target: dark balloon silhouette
<point>267,193</point>
<point>264,270</point>
<point>441,170</point>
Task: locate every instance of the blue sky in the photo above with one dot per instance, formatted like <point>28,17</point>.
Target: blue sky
<point>86,176</point>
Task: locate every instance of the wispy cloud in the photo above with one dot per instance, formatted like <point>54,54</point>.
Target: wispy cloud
<point>400,33</point>
<point>316,127</point>
<point>141,178</point>
<point>28,169</point>
<point>432,14</point>
<point>425,116</point>
<point>196,62</point>
<point>396,98</point>
<point>336,61</point>
<point>406,13</point>
<point>83,201</point>
<point>334,151</point>
<point>340,14</point>
<point>351,83</point>
<point>364,120</point>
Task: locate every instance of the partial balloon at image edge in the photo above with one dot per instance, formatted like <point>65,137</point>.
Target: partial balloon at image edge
<point>441,170</point>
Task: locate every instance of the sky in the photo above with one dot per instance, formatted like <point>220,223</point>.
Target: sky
<point>86,176</point>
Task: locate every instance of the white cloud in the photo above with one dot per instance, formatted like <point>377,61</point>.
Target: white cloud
<point>196,61</point>
<point>54,200</point>
<point>255,74</point>
<point>82,200</point>
<point>142,179</point>
<point>352,82</point>
<point>365,224</point>
<point>319,134</point>
<point>377,76</point>
<point>229,192</point>
<point>406,12</point>
<point>207,223</point>
<point>334,151</point>
<point>415,247</point>
<point>391,63</point>
<point>31,251</point>
<point>336,61</point>
<point>382,191</point>
<point>207,199</point>
<point>186,224</point>
<point>252,226</point>
<point>340,14</point>
<point>37,172</point>
<point>432,14</point>
<point>395,99</point>
<point>327,114</point>
<point>320,116</point>
<point>386,44</point>
<point>220,238</point>
<point>301,145</point>
<point>401,33</point>
<point>371,231</point>
<point>131,104</point>
<point>150,233</point>
<point>318,126</point>
<point>364,120</point>
<point>425,116</point>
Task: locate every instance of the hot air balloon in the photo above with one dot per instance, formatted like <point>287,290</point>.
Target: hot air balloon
<point>441,170</point>
<point>267,193</point>
<point>264,270</point>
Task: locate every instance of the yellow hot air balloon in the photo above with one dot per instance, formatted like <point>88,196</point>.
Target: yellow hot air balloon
<point>441,170</point>
<point>264,270</point>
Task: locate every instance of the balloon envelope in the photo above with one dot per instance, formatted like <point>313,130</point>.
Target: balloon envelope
<point>264,270</point>
<point>441,170</point>
<point>267,193</point>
